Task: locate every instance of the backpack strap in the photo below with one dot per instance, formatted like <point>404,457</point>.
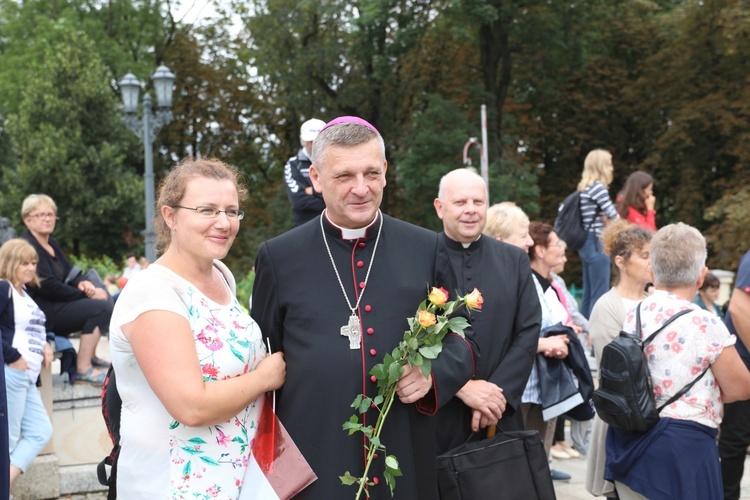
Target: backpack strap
<point>648,340</point>
<point>682,391</point>
<point>596,213</point>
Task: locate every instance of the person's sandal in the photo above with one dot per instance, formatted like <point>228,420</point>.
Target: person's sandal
<point>100,363</point>
<point>88,377</point>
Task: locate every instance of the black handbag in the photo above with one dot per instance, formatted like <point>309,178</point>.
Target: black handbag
<point>513,463</point>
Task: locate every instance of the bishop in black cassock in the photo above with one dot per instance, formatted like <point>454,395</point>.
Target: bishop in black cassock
<point>299,304</point>
<point>507,328</point>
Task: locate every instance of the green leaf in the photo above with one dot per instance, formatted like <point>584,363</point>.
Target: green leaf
<point>394,373</point>
<point>357,401</point>
<point>379,371</point>
<point>364,405</point>
<point>188,467</point>
<point>430,352</point>
<point>458,324</point>
<point>196,440</point>
<point>348,479</point>
<point>417,360</point>
<point>426,368</point>
<point>378,400</point>
<point>391,462</point>
<point>413,344</point>
<point>413,324</point>
<point>352,425</point>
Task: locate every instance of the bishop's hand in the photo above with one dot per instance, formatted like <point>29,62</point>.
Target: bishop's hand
<point>412,386</point>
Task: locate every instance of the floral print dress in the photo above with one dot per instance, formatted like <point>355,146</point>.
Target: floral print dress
<point>190,462</point>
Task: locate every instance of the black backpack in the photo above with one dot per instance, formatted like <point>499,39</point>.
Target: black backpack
<point>625,397</point>
<point>111,409</point>
<point>569,224</point>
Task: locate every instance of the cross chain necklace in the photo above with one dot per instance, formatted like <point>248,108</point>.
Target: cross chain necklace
<point>352,329</point>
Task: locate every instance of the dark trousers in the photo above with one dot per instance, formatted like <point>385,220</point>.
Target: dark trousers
<point>81,315</point>
<point>734,439</point>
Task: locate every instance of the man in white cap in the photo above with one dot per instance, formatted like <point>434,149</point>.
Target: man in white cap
<point>306,202</point>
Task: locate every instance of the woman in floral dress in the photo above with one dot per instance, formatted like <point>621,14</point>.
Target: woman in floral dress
<point>190,363</point>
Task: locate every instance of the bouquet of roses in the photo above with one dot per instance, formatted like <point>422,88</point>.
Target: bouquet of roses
<point>422,342</point>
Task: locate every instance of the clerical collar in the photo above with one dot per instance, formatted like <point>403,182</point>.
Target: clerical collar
<point>456,245</point>
<point>467,245</point>
<point>352,234</point>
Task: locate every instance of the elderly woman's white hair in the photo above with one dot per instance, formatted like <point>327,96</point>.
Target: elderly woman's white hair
<point>503,219</point>
<point>678,255</point>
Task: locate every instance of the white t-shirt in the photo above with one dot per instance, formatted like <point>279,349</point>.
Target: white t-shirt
<point>161,458</point>
<point>31,332</point>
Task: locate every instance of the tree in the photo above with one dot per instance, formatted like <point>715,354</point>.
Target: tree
<point>70,142</point>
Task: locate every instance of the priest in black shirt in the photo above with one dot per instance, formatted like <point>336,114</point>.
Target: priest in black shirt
<point>334,296</point>
<point>507,328</point>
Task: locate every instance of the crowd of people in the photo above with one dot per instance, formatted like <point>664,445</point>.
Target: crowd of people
<point>192,364</point>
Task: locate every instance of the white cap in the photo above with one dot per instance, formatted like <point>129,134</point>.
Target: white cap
<point>310,129</point>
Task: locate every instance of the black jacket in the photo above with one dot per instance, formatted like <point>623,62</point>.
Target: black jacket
<point>566,385</point>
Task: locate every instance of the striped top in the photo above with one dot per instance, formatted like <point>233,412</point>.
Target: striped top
<point>593,197</point>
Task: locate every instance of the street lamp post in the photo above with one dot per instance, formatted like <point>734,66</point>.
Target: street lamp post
<point>146,128</point>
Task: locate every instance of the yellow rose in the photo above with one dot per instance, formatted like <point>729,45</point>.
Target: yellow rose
<point>426,318</point>
<point>438,296</point>
<point>474,300</point>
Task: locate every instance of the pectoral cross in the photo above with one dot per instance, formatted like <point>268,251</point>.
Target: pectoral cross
<point>351,330</point>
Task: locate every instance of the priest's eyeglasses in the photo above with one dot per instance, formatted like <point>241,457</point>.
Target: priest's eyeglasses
<point>212,213</point>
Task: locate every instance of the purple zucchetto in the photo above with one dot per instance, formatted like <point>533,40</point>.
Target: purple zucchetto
<point>350,119</point>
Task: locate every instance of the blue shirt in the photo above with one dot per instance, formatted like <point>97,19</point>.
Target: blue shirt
<point>743,283</point>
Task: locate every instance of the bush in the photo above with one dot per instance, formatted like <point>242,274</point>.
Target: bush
<point>103,265</point>
<point>245,289</point>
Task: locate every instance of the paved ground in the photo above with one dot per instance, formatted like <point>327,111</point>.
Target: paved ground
<point>576,467</point>
<point>566,490</point>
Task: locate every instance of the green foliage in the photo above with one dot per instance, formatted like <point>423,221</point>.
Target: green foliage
<point>245,288</point>
<point>104,265</point>
<point>69,140</point>
<point>432,147</point>
<point>730,237</point>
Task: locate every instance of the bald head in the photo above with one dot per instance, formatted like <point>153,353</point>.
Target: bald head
<point>462,205</point>
<point>459,177</point>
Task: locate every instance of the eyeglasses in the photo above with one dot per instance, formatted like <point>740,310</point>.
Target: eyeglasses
<point>212,213</point>
<point>558,244</point>
<point>46,215</point>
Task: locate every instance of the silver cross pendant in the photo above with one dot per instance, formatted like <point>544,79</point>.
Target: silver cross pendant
<point>352,330</point>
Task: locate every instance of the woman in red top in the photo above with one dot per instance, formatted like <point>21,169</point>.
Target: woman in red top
<point>636,200</point>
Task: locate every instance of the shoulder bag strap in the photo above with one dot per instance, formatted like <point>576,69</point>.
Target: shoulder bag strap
<point>227,275</point>
<point>682,391</point>
<point>663,326</point>
<point>580,199</point>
